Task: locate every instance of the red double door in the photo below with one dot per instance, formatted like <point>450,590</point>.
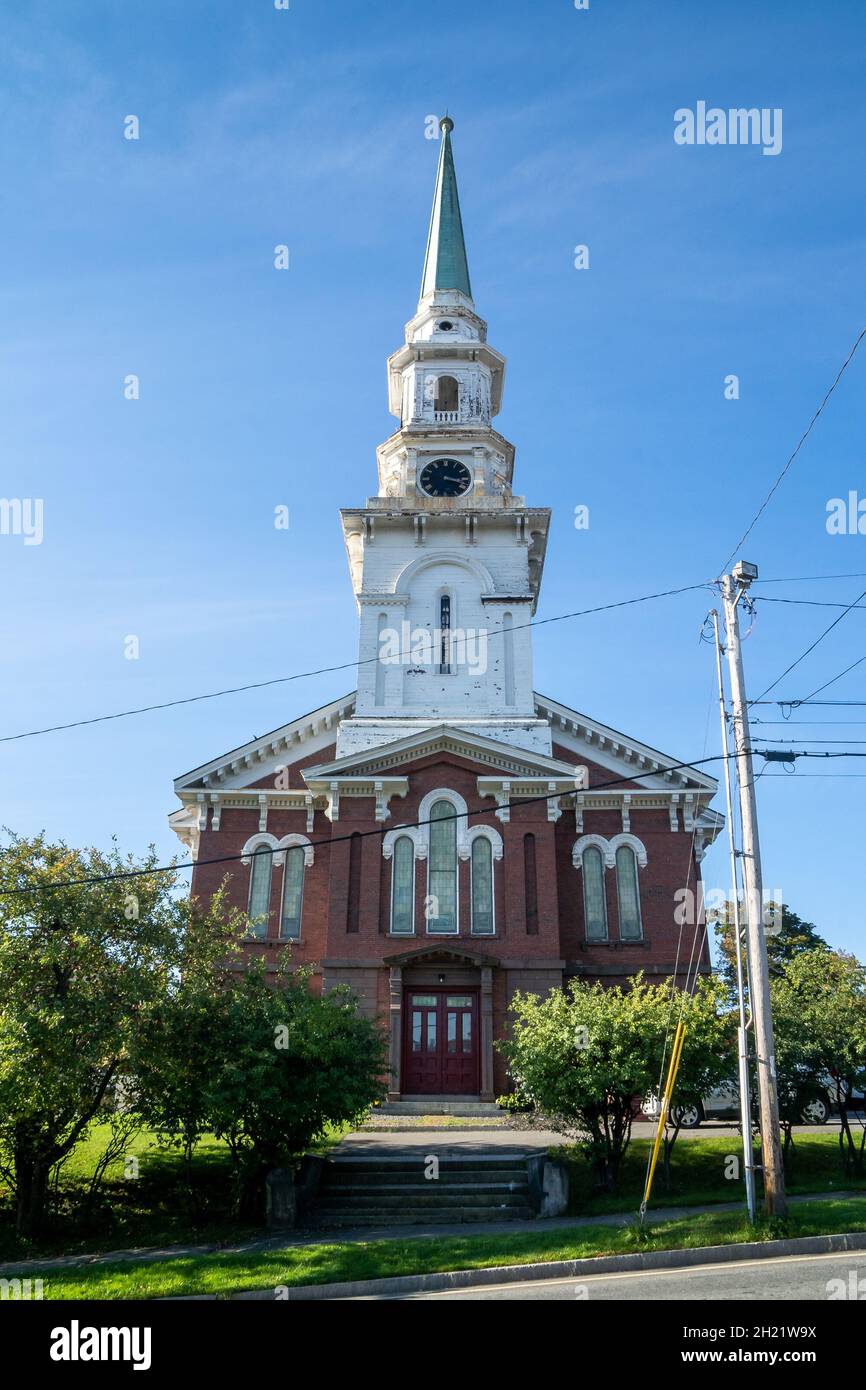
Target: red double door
<point>440,1042</point>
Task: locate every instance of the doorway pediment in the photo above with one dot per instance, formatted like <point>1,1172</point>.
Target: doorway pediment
<point>441,955</point>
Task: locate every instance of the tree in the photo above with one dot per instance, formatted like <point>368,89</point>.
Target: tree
<point>586,1055</point>
<point>787,936</point>
<point>819,1017</point>
<point>261,1062</point>
<point>81,967</point>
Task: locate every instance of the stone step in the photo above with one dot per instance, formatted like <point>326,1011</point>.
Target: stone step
<point>438,1105</point>
<point>405,1180</point>
<point>410,1163</point>
<point>346,1217</point>
<point>471,1196</point>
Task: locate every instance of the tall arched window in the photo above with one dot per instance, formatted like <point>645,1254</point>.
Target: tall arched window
<point>445,635</point>
<point>260,891</point>
<point>447,395</point>
<point>293,894</point>
<point>442,869</point>
<point>403,887</point>
<point>594,903</point>
<point>482,887</point>
<point>628,895</point>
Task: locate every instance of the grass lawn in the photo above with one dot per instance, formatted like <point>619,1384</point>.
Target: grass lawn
<point>330,1263</point>
<point>156,1208</point>
<point>698,1174</point>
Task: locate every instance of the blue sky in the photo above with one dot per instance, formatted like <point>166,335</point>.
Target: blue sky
<point>261,388</point>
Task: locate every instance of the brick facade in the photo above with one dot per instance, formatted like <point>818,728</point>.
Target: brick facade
<point>540,939</point>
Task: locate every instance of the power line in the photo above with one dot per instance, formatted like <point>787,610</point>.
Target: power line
<point>327,670</point>
<point>361,834</point>
<point>403,825</point>
<point>812,646</point>
<point>810,578</point>
<point>804,436</point>
<point>812,723</point>
<point>813,704</point>
<point>805,602</point>
<point>834,679</point>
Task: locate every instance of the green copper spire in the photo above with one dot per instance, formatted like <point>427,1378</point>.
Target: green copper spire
<point>445,265</point>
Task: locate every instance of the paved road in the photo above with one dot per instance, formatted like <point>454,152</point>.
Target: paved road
<point>804,1277</point>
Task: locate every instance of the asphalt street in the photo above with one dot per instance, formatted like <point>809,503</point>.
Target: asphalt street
<point>809,1278</point>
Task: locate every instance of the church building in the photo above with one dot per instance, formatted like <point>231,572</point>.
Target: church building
<point>444,835</point>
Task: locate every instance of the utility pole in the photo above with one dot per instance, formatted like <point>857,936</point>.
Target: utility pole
<point>743,1029</point>
<point>734,586</point>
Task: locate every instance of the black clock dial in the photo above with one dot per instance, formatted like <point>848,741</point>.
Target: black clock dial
<point>445,478</point>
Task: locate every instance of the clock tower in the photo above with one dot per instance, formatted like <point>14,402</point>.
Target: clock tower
<point>446,560</point>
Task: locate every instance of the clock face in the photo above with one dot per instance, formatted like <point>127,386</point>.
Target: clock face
<point>445,478</point>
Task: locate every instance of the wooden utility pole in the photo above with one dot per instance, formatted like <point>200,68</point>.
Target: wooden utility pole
<point>775,1203</point>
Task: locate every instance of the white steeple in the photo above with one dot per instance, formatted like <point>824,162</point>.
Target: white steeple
<point>445,561</point>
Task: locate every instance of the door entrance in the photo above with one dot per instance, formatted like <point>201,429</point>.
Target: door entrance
<point>440,1042</point>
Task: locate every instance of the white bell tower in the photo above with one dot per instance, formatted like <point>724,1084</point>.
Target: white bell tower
<point>445,561</point>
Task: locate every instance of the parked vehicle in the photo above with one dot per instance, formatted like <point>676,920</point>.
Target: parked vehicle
<point>724,1104</point>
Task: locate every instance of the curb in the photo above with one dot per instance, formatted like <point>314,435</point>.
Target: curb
<point>562,1269</point>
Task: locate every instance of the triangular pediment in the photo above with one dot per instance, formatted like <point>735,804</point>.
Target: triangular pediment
<point>585,739</point>
<point>395,758</point>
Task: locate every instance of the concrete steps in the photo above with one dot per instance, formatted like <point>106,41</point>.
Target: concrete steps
<point>392,1190</point>
<point>439,1105</point>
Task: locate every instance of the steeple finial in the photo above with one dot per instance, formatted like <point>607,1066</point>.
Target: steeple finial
<point>445,264</point>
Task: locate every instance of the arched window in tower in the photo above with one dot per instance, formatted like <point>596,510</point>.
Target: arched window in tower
<point>628,895</point>
<point>445,635</point>
<point>442,870</point>
<point>594,903</point>
<point>447,401</point>
<point>530,885</point>
<point>482,887</point>
<point>260,892</point>
<point>293,895</point>
<point>403,887</point>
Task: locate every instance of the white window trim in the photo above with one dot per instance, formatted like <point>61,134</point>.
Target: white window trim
<point>596,940</point>
<point>263,843</point>
<point>633,843</point>
<point>397,835</point>
<point>599,842</point>
<point>608,849</point>
<point>256,842</point>
<point>625,842</point>
<point>294,842</point>
<point>493,858</point>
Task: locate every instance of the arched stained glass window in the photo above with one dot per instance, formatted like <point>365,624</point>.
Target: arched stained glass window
<point>482,887</point>
<point>260,891</point>
<point>628,895</point>
<point>293,894</point>
<point>594,904</point>
<point>403,887</point>
<point>442,869</point>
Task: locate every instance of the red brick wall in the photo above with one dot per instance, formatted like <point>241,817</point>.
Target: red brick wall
<point>559,885</point>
